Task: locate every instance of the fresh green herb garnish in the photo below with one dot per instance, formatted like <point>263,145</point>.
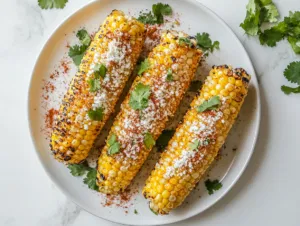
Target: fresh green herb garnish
<point>212,186</point>
<point>139,97</point>
<point>258,12</point>
<point>76,52</point>
<point>164,138</point>
<point>94,85</point>
<point>135,211</point>
<point>144,66</point>
<point>195,86</point>
<point>185,41</point>
<point>288,90</point>
<point>49,4</point>
<point>211,104</point>
<point>99,71</point>
<point>114,145</point>
<point>195,145</point>
<point>78,169</point>
<point>90,179</point>
<point>206,142</point>
<point>204,42</point>
<point>83,37</point>
<point>96,114</point>
<point>292,74</point>
<point>169,77</point>
<point>288,28</point>
<point>153,211</point>
<point>159,10</point>
<point>273,35</point>
<point>148,140</point>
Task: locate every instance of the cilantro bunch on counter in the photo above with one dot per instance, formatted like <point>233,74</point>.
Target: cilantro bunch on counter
<point>50,4</point>
<point>259,12</point>
<point>289,28</point>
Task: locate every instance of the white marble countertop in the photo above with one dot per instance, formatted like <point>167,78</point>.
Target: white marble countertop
<point>266,194</point>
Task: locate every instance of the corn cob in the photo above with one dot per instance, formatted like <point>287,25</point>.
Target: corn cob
<point>197,140</point>
<point>86,106</point>
<point>171,68</point>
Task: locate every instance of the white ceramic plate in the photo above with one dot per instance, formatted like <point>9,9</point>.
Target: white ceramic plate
<point>194,18</point>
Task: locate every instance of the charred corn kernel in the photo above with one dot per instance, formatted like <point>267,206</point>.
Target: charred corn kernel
<point>187,166</point>
<point>73,122</point>
<point>132,126</point>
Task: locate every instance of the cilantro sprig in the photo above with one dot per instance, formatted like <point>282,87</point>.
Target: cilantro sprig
<point>80,170</point>
<point>90,179</point>
<point>76,52</point>
<point>50,4</point>
<point>97,114</point>
<point>114,145</point>
<point>212,186</point>
<point>169,77</point>
<point>205,43</point>
<point>258,12</point>
<point>148,140</point>
<point>211,104</point>
<point>144,66</point>
<point>292,74</point>
<point>159,10</point>
<point>139,97</point>
<point>289,28</point>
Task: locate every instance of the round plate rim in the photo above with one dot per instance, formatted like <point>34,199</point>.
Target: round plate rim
<point>187,216</point>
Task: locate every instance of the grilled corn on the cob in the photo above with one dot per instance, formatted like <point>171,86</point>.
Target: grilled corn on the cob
<point>153,98</point>
<point>95,89</point>
<point>198,139</point>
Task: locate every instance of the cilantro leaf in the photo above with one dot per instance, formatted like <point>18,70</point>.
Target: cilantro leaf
<point>258,12</point>
<point>292,72</point>
<point>288,90</point>
<point>144,66</point>
<point>78,169</point>
<point>169,77</point>
<point>153,211</point>
<point>195,145</point>
<point>94,85</point>
<point>204,42</point>
<point>212,186</point>
<point>159,10</point>
<point>49,4</point>
<point>114,145</point>
<point>195,86</point>
<point>76,53</point>
<point>96,114</point>
<point>295,43</point>
<point>164,138</point>
<point>147,18</point>
<point>272,13</point>
<point>211,104</point>
<point>91,179</point>
<point>148,140</point>
<point>139,97</point>
<point>100,71</point>
<point>135,211</point>
<point>185,41</point>
<point>273,35</point>
<point>251,24</point>
<point>83,37</point>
